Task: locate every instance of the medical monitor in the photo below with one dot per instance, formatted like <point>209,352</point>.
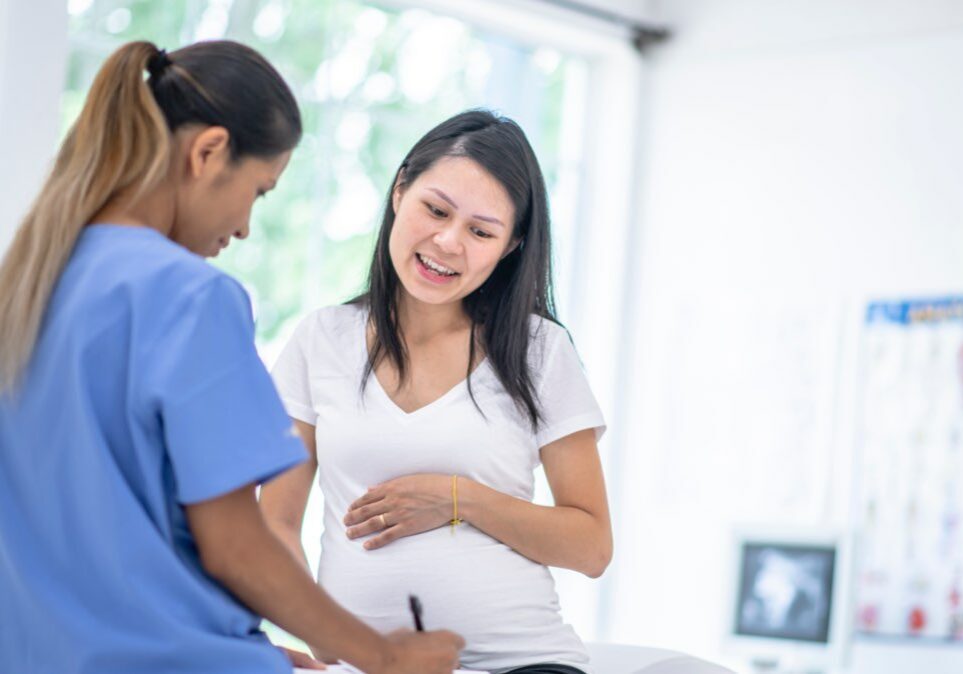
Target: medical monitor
<point>788,596</point>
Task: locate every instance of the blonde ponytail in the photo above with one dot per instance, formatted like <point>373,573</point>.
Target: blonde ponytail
<point>120,141</point>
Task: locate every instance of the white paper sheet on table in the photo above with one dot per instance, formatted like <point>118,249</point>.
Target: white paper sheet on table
<point>344,668</point>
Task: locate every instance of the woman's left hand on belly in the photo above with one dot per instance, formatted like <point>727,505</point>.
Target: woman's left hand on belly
<point>401,507</point>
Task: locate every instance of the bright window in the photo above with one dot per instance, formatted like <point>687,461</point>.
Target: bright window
<point>370,82</point>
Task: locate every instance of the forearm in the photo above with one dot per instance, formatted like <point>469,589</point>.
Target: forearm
<point>290,536</point>
<point>268,577</point>
<point>283,500</point>
<point>561,536</point>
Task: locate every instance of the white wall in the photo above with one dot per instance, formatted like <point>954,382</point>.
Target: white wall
<point>33,51</point>
<point>637,10</point>
<point>802,157</point>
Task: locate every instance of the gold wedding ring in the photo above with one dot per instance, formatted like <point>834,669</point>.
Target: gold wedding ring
<point>384,522</point>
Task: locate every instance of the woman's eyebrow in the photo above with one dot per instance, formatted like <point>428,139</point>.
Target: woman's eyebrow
<point>484,218</point>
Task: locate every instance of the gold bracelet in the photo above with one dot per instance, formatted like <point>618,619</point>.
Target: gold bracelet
<point>455,521</point>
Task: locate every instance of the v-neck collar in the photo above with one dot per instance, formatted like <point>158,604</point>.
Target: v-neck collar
<point>379,392</point>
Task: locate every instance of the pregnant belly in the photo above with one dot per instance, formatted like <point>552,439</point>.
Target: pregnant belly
<point>467,582</point>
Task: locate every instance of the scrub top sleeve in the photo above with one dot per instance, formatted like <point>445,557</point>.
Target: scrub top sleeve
<point>290,373</point>
<point>567,402</point>
<point>223,424</point>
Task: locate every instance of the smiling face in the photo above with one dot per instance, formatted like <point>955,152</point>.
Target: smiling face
<point>452,226</point>
<point>216,193</point>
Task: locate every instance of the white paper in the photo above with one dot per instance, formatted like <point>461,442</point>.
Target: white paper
<point>345,668</point>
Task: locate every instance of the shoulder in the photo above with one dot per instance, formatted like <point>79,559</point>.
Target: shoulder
<point>338,321</point>
<point>551,350</point>
<point>161,281</point>
<point>545,335</point>
<point>328,333</point>
<point>150,264</point>
<point>191,284</point>
<point>544,328</point>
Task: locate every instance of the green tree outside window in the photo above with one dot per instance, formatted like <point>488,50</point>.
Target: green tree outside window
<point>370,82</point>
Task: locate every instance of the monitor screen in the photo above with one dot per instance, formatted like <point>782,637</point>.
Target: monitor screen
<point>785,591</point>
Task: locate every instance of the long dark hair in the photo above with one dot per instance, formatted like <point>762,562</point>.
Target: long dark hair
<point>122,140</point>
<point>500,309</point>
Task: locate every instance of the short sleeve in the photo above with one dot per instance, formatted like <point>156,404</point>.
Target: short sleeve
<point>223,423</point>
<point>290,373</point>
<point>567,402</point>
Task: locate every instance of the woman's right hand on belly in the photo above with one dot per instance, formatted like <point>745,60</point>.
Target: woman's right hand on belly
<point>423,652</point>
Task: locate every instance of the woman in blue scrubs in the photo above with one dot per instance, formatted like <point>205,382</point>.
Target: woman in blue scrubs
<point>136,419</point>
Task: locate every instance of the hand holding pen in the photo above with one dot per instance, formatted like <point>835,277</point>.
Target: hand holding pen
<point>424,652</point>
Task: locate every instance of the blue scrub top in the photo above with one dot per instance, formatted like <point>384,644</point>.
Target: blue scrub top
<point>144,393</point>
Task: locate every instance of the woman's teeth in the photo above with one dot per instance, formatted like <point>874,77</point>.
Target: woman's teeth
<point>434,266</point>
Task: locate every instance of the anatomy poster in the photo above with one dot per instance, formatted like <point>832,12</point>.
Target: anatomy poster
<point>909,471</point>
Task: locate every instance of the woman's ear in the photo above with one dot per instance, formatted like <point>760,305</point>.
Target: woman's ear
<point>511,246</point>
<point>209,152</point>
<point>397,190</point>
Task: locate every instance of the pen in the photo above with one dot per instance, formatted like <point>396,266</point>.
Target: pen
<point>415,607</point>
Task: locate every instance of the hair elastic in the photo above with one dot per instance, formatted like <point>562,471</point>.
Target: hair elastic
<point>158,63</point>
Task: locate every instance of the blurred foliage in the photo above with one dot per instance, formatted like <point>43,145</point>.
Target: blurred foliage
<point>370,82</point>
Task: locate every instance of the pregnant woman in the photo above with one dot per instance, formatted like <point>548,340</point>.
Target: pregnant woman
<point>428,402</point>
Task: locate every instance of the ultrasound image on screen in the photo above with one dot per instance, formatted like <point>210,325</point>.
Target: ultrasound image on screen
<point>785,591</point>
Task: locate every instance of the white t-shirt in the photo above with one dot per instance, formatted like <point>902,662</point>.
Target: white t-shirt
<point>503,604</point>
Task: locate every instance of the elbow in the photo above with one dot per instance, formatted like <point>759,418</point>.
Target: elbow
<point>596,566</point>
<point>283,526</point>
<point>596,569</point>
